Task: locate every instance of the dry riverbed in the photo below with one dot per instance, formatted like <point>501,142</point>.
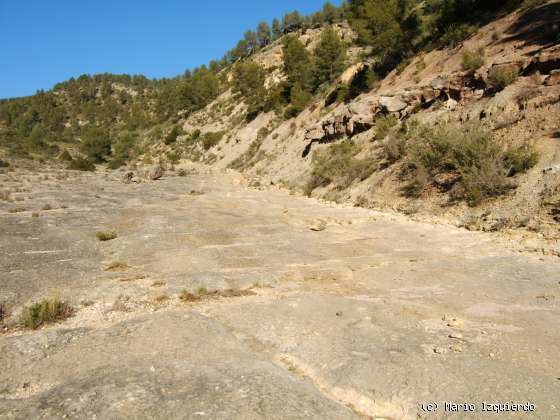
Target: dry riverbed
<point>217,301</point>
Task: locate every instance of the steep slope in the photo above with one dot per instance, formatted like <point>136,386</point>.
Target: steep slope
<point>432,89</point>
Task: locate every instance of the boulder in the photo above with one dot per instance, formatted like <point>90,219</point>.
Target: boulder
<point>392,103</point>
<point>314,133</point>
<point>439,83</point>
<point>153,173</point>
<point>554,78</point>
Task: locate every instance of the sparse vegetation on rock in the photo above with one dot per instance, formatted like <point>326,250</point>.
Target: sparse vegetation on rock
<point>104,236</point>
<point>340,166</point>
<point>503,76</point>
<point>46,311</point>
<point>473,60</point>
<point>466,160</point>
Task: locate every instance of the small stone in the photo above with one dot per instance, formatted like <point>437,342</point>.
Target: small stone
<point>318,225</point>
<point>492,355</point>
<point>339,313</point>
<point>439,350</point>
<point>456,336</point>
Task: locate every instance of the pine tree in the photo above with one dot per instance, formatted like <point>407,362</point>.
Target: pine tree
<point>264,34</point>
<point>329,13</point>
<point>299,98</point>
<point>330,57</point>
<point>377,24</point>
<point>251,40</point>
<point>276,29</point>
<point>249,79</point>
<point>292,21</point>
<point>297,63</point>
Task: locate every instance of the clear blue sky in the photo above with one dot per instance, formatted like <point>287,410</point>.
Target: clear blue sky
<point>48,41</point>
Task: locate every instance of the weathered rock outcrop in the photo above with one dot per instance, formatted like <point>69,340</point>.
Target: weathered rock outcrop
<point>451,89</point>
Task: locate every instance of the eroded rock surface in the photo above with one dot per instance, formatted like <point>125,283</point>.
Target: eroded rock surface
<point>301,309</point>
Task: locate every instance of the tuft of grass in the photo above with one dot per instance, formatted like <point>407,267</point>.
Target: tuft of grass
<point>202,293</point>
<point>46,207</point>
<point>104,236</point>
<point>18,209</point>
<point>35,214</point>
<point>4,164</point>
<point>472,60</point>
<point>182,173</point>
<point>503,76</point>
<point>158,283</point>
<point>161,298</point>
<point>46,311</point>
<point>117,266</point>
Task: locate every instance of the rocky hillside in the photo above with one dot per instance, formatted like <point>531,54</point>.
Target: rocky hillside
<point>464,128</point>
<point>435,88</point>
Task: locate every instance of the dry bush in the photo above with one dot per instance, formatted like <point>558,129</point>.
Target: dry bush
<point>384,124</point>
<point>46,311</point>
<point>467,160</point>
<point>503,76</point>
<point>472,60</point>
<point>338,165</point>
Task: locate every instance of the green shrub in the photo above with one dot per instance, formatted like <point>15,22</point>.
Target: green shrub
<point>65,156</point>
<point>172,135</point>
<point>4,164</point>
<point>472,60</point>
<point>81,164</point>
<point>394,148</point>
<point>474,165</point>
<point>44,312</point>
<point>520,159</point>
<point>210,140</point>
<point>96,144</point>
<point>455,34</point>
<point>106,236</point>
<point>195,135</point>
<point>384,124</point>
<point>338,165</point>
<point>173,157</point>
<point>503,76</point>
